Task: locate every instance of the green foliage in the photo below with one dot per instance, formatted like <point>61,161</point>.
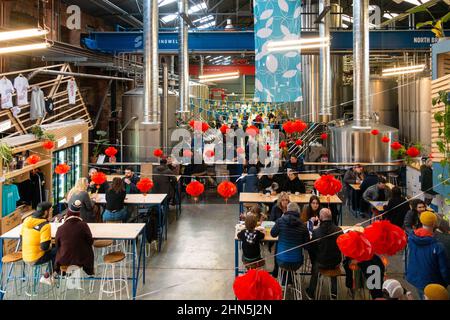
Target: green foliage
<point>41,134</point>
<point>6,153</point>
<point>437,25</point>
<point>100,142</point>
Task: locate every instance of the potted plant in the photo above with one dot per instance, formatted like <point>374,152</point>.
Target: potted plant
<point>437,25</point>
<point>6,155</point>
<point>100,143</point>
<point>41,134</point>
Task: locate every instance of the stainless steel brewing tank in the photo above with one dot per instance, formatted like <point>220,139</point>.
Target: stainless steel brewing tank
<point>384,100</point>
<point>349,144</point>
<point>139,140</point>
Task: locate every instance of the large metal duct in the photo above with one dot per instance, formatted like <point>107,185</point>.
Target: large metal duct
<point>309,107</point>
<point>151,61</point>
<point>183,59</point>
<point>337,67</point>
<point>361,106</point>
<point>324,65</point>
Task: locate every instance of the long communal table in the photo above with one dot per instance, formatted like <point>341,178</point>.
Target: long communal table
<point>100,231</point>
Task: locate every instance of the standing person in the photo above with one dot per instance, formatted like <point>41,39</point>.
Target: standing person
<point>443,236</point>
<point>291,233</point>
<point>93,187</point>
<point>164,180</point>
<point>130,180</point>
<point>426,181</point>
<point>396,208</point>
<point>427,260</point>
<point>36,236</point>
<point>324,253</point>
<point>74,241</point>
<point>412,221</point>
<point>377,192</point>
<point>250,181</point>
<point>115,202</point>
<point>251,241</point>
<point>79,193</point>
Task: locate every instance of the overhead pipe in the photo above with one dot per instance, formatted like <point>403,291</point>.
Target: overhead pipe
<point>183,59</point>
<point>151,62</point>
<point>122,14</point>
<point>324,65</point>
<point>361,93</point>
<point>75,74</point>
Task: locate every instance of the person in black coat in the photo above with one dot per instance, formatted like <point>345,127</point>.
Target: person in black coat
<point>293,183</point>
<point>93,187</point>
<point>370,179</point>
<point>294,163</point>
<point>324,254</point>
<point>164,180</point>
<point>396,208</point>
<point>37,186</point>
<point>426,181</point>
<point>130,180</point>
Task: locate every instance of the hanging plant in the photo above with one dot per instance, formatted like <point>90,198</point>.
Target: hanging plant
<point>100,143</point>
<point>41,134</point>
<point>437,25</point>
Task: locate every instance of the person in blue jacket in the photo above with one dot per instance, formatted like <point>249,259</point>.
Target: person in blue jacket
<point>427,259</point>
<point>291,233</point>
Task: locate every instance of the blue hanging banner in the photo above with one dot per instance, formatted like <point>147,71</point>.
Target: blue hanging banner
<point>278,74</point>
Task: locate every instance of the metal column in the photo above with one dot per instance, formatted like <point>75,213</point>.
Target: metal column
<point>165,107</point>
<point>183,60</point>
<point>324,65</point>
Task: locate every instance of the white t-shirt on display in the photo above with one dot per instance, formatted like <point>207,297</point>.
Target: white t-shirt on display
<point>72,91</point>
<point>6,92</point>
<point>21,86</point>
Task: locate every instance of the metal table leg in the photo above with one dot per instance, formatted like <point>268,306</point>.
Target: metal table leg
<point>1,268</point>
<point>135,274</point>
<point>159,228</point>
<point>236,258</point>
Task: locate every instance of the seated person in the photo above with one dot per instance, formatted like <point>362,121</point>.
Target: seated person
<point>377,192</point>
<point>250,181</point>
<point>36,236</point>
<point>93,187</point>
<point>130,180</point>
<point>310,213</point>
<point>294,163</point>
<point>265,181</point>
<point>251,240</point>
<point>397,207</point>
<point>74,241</point>
<point>293,183</point>
<point>115,202</point>
<point>164,181</point>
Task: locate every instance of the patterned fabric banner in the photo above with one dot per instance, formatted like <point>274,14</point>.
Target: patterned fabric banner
<point>278,74</point>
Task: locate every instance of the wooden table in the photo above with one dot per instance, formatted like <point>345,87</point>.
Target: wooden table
<point>110,177</point>
<point>357,186</point>
<point>308,176</point>
<point>253,197</point>
<point>378,205</point>
<point>304,198</point>
<point>100,231</point>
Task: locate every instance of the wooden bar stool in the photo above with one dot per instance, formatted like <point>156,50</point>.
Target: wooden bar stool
<point>326,275</point>
<point>101,248</point>
<point>112,260</point>
<point>11,263</point>
<point>296,277</point>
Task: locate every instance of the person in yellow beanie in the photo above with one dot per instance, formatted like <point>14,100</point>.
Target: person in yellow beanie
<point>427,260</point>
<point>435,292</point>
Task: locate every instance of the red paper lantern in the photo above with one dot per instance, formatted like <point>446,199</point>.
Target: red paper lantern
<point>396,145</point>
<point>240,150</point>
<point>187,153</point>
<point>198,125</point>
<point>209,153</point>
<point>195,188</point>
<point>257,285</point>
<point>158,153</point>
<point>252,131</point>
<point>267,147</point>
<point>328,185</point>
<point>226,189</point>
<point>111,151</point>
<point>413,152</point>
<point>385,237</point>
<point>299,126</point>
<point>48,145</point>
<point>144,185</point>
<point>355,245</point>
<point>224,129</point>
<point>289,127</point>
<point>385,139</point>
<point>375,132</point>
<point>324,136</point>
<point>62,168</point>
<point>283,144</point>
<point>98,178</point>
<point>298,142</point>
<point>205,126</point>
<point>33,159</point>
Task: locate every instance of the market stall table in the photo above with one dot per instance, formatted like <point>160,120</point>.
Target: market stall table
<point>100,231</point>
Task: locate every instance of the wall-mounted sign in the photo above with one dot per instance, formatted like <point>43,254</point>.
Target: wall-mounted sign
<point>77,138</point>
<point>73,21</point>
<point>5,125</point>
<point>61,142</point>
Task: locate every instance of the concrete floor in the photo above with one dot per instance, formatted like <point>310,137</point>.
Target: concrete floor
<point>197,261</point>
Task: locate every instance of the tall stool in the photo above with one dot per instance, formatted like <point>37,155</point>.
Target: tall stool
<point>324,275</point>
<point>69,273</point>
<point>393,178</point>
<point>101,248</point>
<point>33,275</point>
<point>11,263</point>
<point>112,260</point>
<point>283,278</point>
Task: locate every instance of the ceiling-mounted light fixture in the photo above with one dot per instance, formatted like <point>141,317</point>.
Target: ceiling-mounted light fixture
<point>219,76</point>
<point>305,43</point>
<point>403,70</point>
<point>20,34</point>
<point>27,47</point>
<point>218,79</point>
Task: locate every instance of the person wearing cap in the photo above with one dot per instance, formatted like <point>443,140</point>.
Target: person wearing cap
<point>435,292</point>
<point>393,290</point>
<point>74,241</point>
<point>427,260</point>
<point>36,236</point>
